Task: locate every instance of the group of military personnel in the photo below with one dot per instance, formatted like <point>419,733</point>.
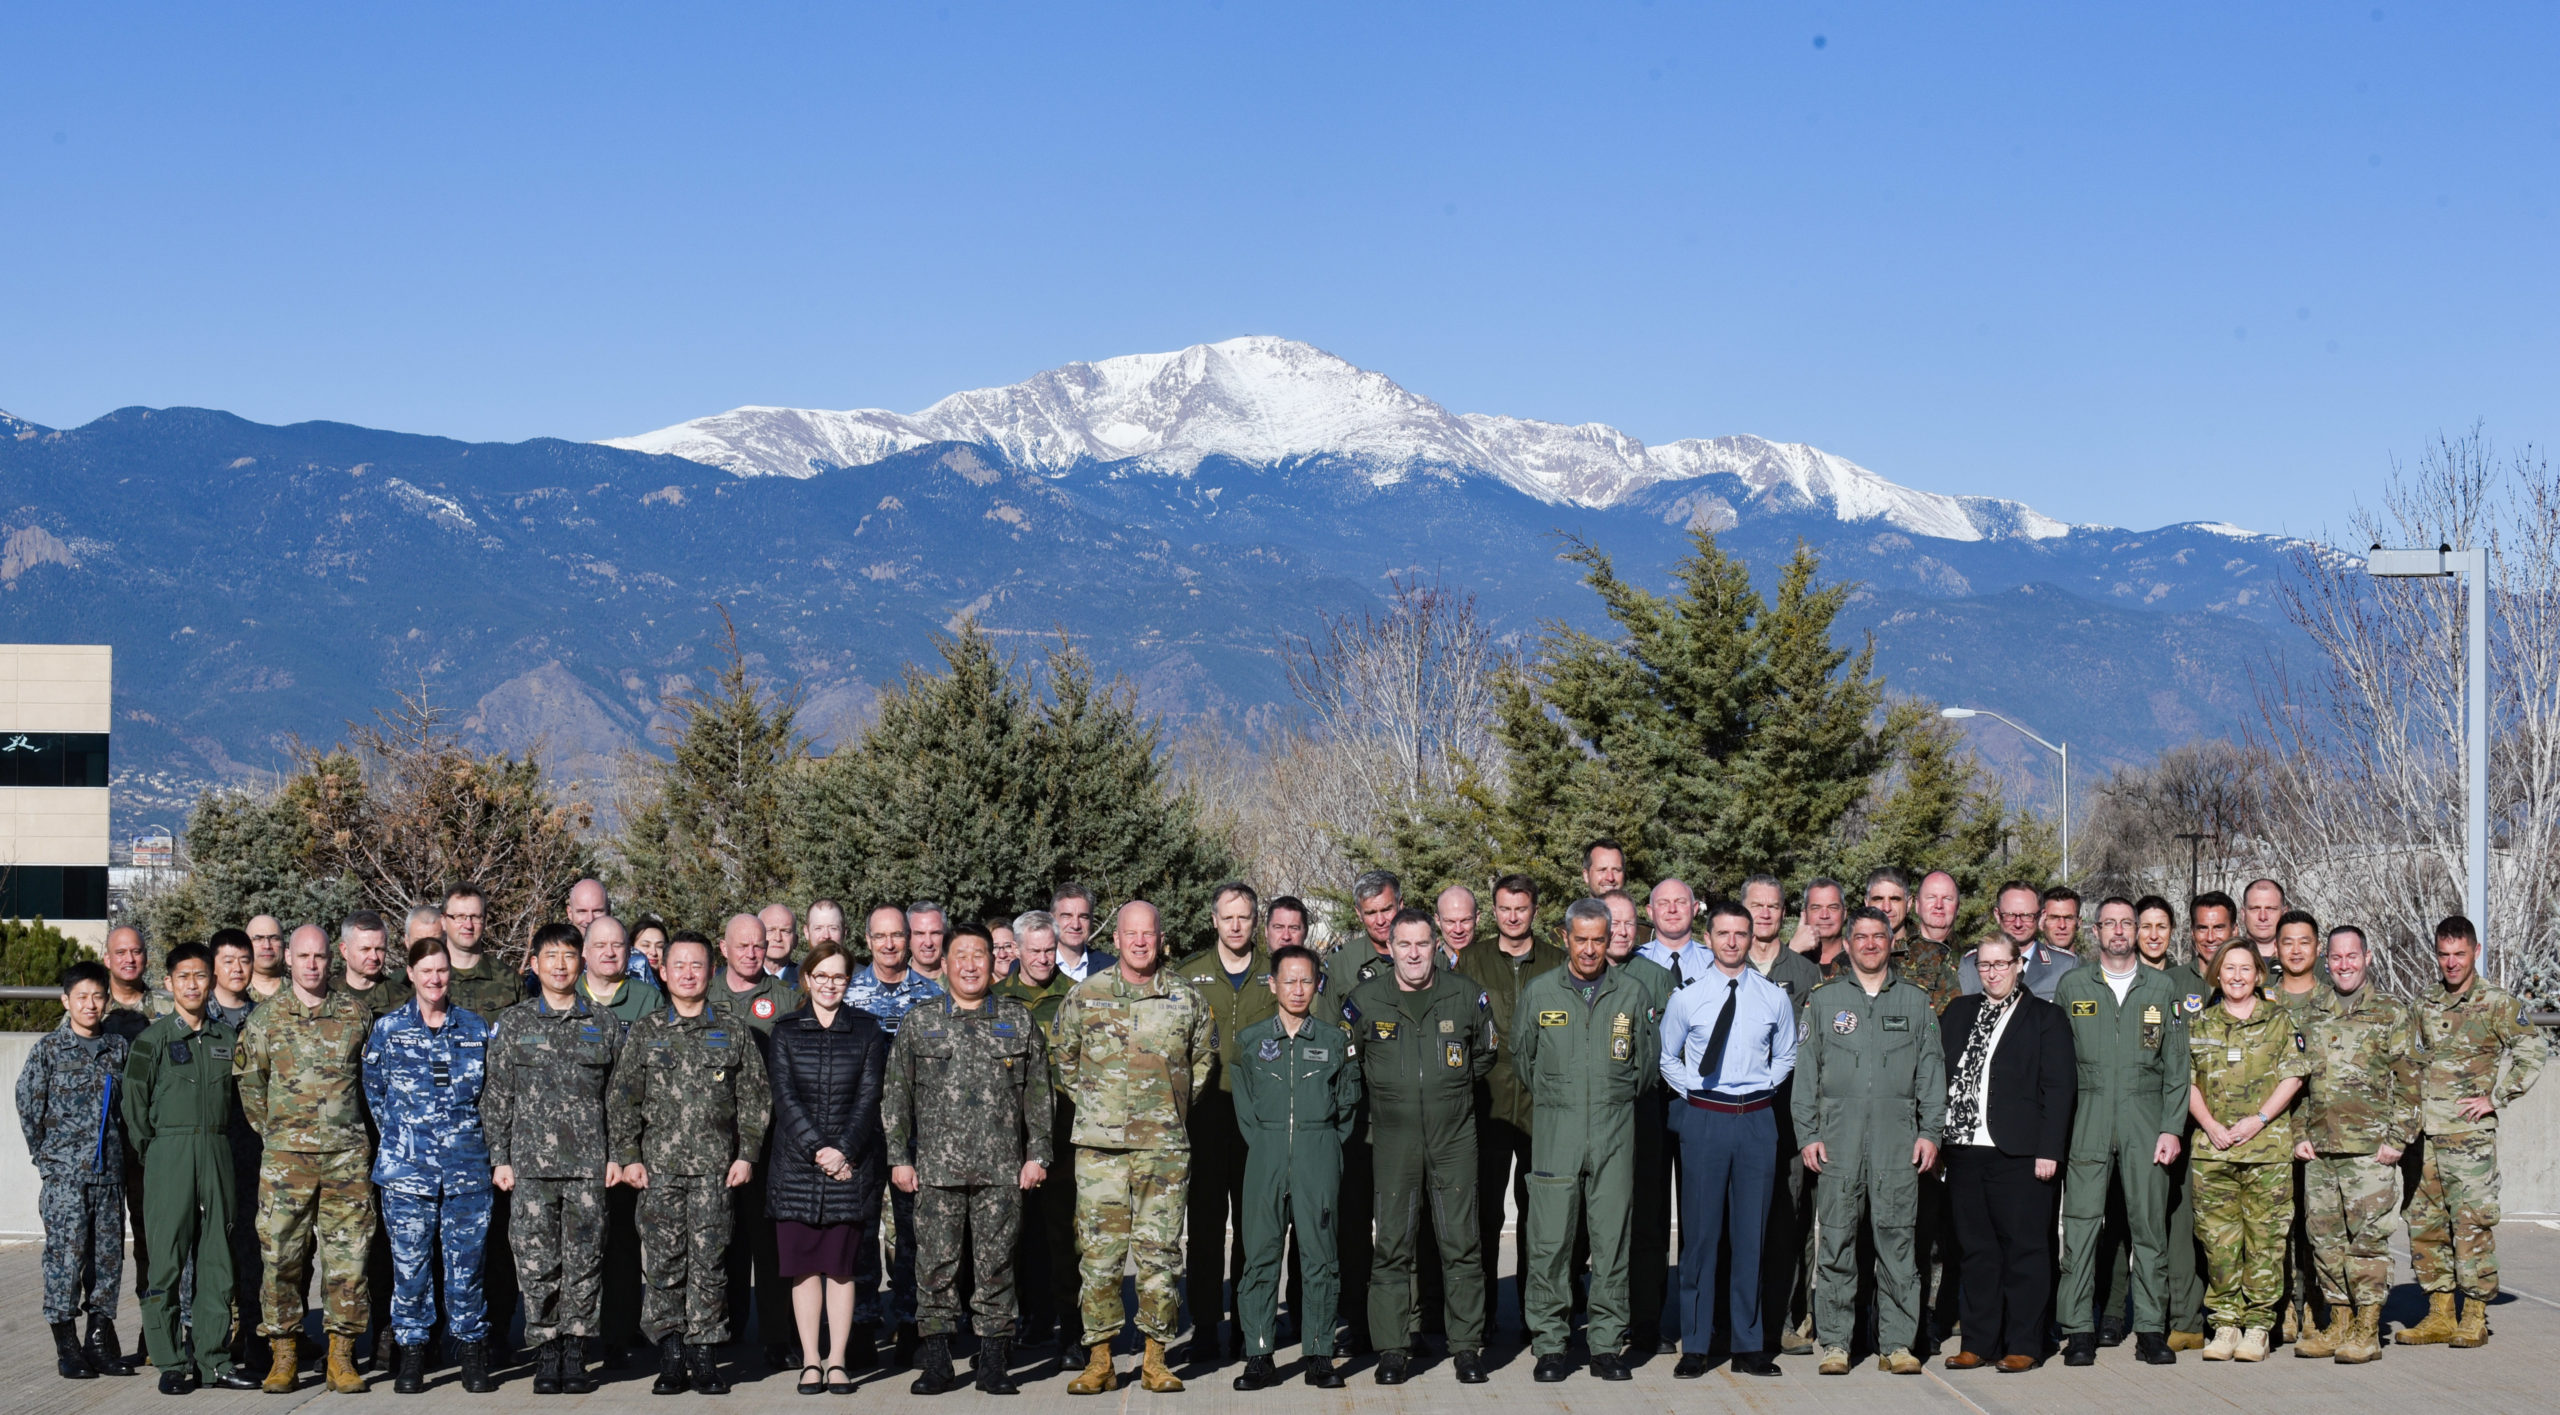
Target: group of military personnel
<point>1349,1123</point>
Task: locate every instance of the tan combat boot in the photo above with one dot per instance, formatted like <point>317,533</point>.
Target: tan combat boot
<point>1153,1374</point>
<point>2363,1340</point>
<point>344,1378</point>
<point>1097,1375</point>
<point>281,1375</point>
<point>2439,1326</point>
<point>2253,1345</point>
<point>1835,1361</point>
<point>2473,1329</point>
<point>2186,1341</point>
<point>2225,1344</point>
<point>1900,1362</point>
<point>2317,1342</point>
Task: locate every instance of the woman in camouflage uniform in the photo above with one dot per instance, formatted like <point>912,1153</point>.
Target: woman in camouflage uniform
<point>2249,1064</point>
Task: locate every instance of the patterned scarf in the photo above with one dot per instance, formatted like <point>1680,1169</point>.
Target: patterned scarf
<point>1964,1094</point>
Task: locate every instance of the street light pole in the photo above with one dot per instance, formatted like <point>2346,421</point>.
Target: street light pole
<point>2062,750</point>
<point>2472,567</point>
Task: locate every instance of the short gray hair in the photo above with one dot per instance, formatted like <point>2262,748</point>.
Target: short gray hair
<point>1582,909</point>
<point>1373,883</point>
<point>927,906</point>
<point>1034,921</point>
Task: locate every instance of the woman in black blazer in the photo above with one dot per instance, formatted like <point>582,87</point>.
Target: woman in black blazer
<point>2012,1079</point>
<point>823,1189</point>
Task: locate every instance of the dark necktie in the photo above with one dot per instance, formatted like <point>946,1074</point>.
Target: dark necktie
<point>1711,1065</point>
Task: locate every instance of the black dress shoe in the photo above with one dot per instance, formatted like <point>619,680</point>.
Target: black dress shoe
<point>1754,1363</point>
<point>1552,1369</point>
<point>2112,1331</point>
<point>1470,1367</point>
<point>1322,1375</point>
<point>1393,1367</point>
<point>177,1382</point>
<point>2151,1348</point>
<point>233,1378</point>
<point>1610,1366</point>
<point>1257,1374</point>
<point>2080,1349</point>
<point>1693,1364</point>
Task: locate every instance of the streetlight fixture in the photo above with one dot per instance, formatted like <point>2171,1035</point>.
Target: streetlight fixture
<point>2062,750</point>
<point>2472,566</point>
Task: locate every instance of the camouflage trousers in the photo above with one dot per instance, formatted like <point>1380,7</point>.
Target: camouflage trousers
<point>308,1201</point>
<point>83,1246</point>
<point>428,1232</point>
<point>2349,1203</point>
<point>2243,1214</point>
<point>982,1220</point>
<point>2453,1215</point>
<point>684,1224</point>
<point>1129,1207</point>
<point>557,1229</point>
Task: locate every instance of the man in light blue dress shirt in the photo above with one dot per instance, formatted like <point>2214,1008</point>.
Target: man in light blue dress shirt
<point>1728,1039</point>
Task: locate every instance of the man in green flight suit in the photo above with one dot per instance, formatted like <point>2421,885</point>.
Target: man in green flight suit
<point>1297,1095</point>
<point>1585,1040</point>
<point>177,1116</point>
<point>1502,967</point>
<point>1426,1036</point>
<point>1870,1095</point>
<point>1233,977</point>
<point>2129,1030</point>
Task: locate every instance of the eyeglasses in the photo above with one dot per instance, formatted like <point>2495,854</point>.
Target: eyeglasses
<point>2008,914</point>
<point>1987,966</point>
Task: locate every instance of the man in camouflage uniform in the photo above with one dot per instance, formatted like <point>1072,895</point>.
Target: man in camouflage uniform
<point>543,1110</point>
<point>1046,1275</point>
<point>2361,1113</point>
<point>1134,1045</point>
<point>2467,1033</point>
<point>300,1069</point>
<point>2295,983</point>
<point>67,1110</point>
<point>688,1113</point>
<point>966,1107</point>
<point>1234,978</point>
<point>365,971</point>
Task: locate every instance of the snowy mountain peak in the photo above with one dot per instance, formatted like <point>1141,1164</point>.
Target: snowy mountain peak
<point>1264,400</point>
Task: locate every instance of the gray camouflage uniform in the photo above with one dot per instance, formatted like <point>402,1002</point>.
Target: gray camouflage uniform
<point>542,1108</point>
<point>689,1097</point>
<point>966,1102</point>
<point>67,1108</point>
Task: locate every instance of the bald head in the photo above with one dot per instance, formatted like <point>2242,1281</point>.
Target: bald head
<point>125,956</point>
<point>1136,935</point>
<point>1673,907</point>
<point>742,948</point>
<point>1455,913</point>
<point>781,933</point>
<point>586,901</point>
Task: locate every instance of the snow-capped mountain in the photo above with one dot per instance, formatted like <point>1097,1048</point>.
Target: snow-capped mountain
<point>1265,401</point>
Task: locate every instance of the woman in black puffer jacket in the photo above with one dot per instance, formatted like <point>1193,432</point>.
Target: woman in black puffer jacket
<point>823,1189</point>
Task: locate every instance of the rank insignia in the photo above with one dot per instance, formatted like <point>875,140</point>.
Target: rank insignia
<point>1844,1022</point>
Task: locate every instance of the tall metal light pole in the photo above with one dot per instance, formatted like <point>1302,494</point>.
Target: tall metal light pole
<point>2473,568</point>
<point>2062,750</point>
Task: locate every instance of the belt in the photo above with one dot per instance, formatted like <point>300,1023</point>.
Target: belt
<point>167,1130</point>
<point>1731,1105</point>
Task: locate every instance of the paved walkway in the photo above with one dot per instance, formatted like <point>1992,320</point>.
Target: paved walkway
<point>2518,1371</point>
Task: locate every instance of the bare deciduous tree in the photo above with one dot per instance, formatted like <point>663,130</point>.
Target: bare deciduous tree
<point>1403,692</point>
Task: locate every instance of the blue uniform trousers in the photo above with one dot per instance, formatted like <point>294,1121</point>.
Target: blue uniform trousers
<point>427,1230</point>
<point>1725,1178</point>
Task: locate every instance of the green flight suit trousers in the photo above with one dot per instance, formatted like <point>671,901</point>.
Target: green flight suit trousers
<point>187,1209</point>
<point>2084,1214</point>
<point>1434,1164</point>
<point>1571,1185</point>
<point>1290,1181</point>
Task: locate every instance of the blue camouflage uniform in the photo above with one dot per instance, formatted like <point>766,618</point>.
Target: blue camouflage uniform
<point>890,1003</point>
<point>423,1084</point>
<point>67,1107</point>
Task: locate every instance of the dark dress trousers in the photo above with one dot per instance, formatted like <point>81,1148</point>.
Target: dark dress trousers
<point>2004,1215</point>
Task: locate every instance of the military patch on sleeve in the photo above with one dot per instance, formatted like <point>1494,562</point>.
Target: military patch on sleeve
<point>1270,1049</point>
<point>1350,1011</point>
<point>2301,1043</point>
<point>2084,1007</point>
<point>1553,1018</point>
<point>1484,1002</point>
<point>763,1008</point>
<point>2195,1002</point>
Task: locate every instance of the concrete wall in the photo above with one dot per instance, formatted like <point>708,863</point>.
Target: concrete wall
<point>57,687</point>
<point>17,1172</point>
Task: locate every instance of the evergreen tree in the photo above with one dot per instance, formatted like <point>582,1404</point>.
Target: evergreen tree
<point>707,839</point>
<point>1936,809</point>
<point>975,790</point>
<point>33,953</point>
<point>247,854</point>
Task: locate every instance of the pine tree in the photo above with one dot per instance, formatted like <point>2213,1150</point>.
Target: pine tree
<point>976,790</point>
<point>708,837</point>
<point>34,953</point>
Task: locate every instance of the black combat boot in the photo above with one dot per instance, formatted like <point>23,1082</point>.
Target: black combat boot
<point>994,1367</point>
<point>575,1378</point>
<point>672,1379</point>
<point>1257,1374</point>
<point>413,1370</point>
<point>69,1361</point>
<point>546,1368</point>
<point>861,1347</point>
<point>908,1342</point>
<point>475,1368</point>
<point>936,1376</point>
<point>105,1353</point>
<point>702,1366</point>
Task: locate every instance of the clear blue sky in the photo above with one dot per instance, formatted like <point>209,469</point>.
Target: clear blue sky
<point>2130,264</point>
